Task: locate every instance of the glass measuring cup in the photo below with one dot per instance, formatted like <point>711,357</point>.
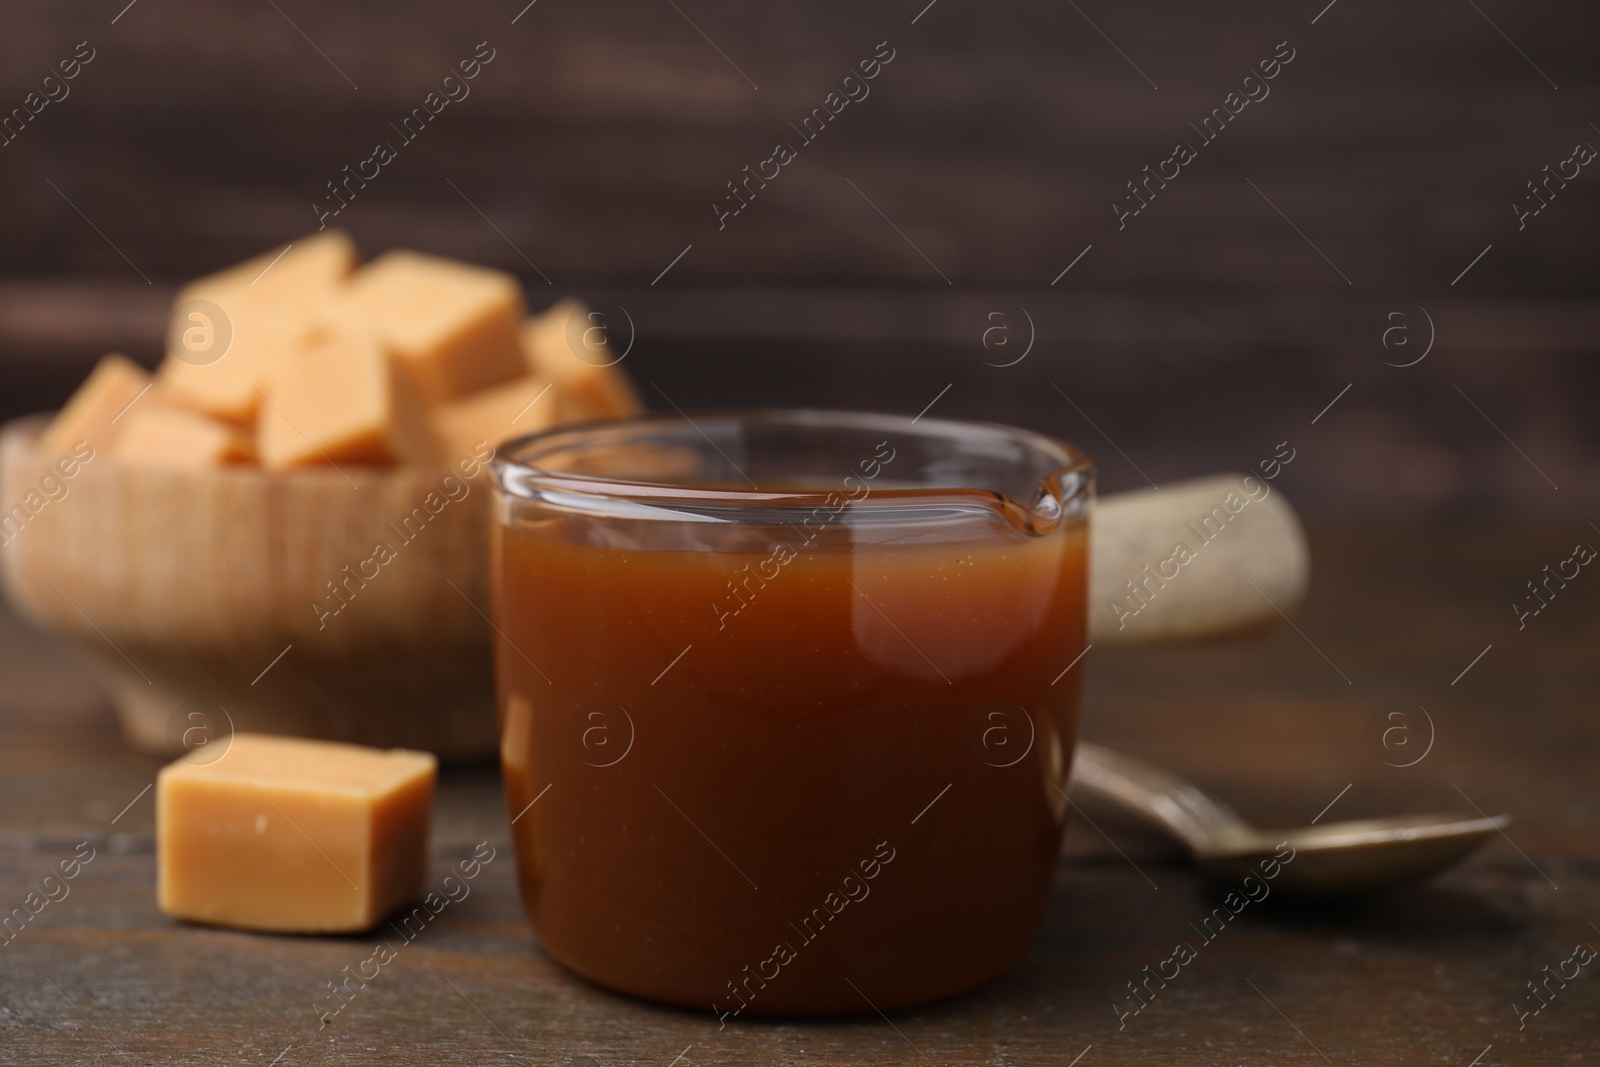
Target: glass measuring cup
<point>785,700</point>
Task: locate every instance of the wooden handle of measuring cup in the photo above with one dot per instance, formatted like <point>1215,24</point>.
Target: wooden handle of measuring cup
<point>1205,558</point>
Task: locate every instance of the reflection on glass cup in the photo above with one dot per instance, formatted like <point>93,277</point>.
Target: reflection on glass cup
<point>785,717</point>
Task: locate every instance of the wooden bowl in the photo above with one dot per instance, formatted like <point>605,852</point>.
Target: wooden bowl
<point>219,586</point>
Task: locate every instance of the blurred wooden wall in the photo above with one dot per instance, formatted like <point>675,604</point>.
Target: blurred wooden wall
<point>986,158</point>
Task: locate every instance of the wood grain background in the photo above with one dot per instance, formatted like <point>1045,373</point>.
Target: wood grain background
<point>590,150</point>
<point>997,140</point>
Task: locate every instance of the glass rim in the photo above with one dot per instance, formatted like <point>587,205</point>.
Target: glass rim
<point>516,458</point>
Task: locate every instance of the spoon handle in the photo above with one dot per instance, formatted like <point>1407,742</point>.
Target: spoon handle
<point>1199,821</point>
<point>1136,593</point>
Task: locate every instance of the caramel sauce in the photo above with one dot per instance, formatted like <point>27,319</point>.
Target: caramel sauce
<point>763,782</point>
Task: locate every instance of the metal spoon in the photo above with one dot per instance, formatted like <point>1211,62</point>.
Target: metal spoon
<point>1340,858</point>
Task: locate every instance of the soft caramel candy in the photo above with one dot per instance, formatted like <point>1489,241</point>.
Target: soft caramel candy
<point>341,401</point>
<point>316,262</point>
<point>572,348</point>
<point>156,435</point>
<point>263,338</point>
<point>314,360</point>
<point>292,835</point>
<point>453,327</point>
<point>519,407</point>
<point>270,307</point>
<point>104,396</point>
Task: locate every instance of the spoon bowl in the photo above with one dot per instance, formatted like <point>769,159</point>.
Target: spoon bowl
<point>1358,856</point>
<point>1335,859</point>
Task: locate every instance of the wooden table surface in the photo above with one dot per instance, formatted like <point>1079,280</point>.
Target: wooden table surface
<point>1281,726</point>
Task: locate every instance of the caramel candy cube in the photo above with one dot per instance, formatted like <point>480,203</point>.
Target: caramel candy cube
<point>518,407</point>
<point>317,261</point>
<point>342,400</point>
<point>453,327</point>
<point>267,308</point>
<point>572,347</point>
<point>263,337</point>
<point>156,435</point>
<point>291,835</point>
<point>115,383</point>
